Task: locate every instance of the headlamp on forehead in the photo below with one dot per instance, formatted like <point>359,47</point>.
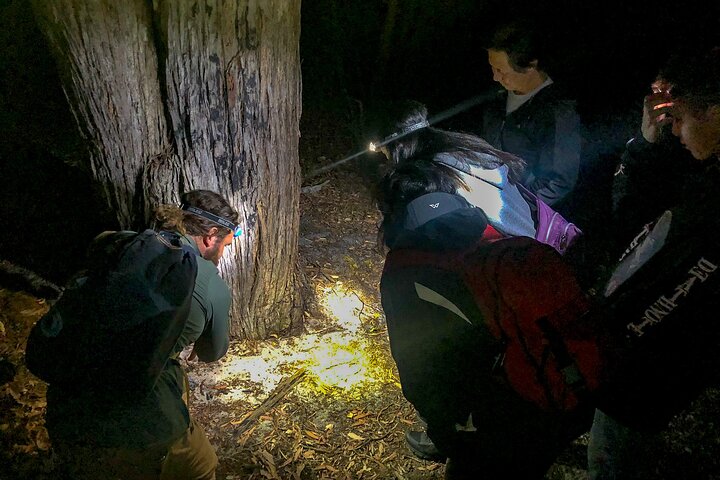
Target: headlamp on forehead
<point>375,146</point>
<point>223,222</point>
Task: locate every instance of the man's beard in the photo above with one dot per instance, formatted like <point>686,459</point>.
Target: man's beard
<point>212,254</point>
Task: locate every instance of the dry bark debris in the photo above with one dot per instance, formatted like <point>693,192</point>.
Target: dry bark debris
<point>24,442</point>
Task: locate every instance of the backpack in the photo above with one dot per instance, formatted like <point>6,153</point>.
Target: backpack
<point>118,321</point>
<point>660,305</point>
<point>552,228</point>
<point>515,290</point>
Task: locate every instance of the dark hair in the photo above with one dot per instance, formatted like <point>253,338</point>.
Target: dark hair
<point>428,141</point>
<point>521,41</point>
<point>694,77</point>
<point>404,184</point>
<point>172,218</point>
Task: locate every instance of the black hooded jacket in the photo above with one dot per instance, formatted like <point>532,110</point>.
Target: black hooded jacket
<point>445,352</point>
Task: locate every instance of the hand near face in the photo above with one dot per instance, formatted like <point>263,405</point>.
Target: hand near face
<point>656,113</point>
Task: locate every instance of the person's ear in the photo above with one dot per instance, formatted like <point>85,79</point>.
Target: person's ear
<point>533,64</point>
<point>209,236</point>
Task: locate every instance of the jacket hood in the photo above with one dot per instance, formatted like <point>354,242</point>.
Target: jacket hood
<point>455,230</point>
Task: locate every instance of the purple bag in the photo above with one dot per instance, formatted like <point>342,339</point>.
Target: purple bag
<point>552,228</point>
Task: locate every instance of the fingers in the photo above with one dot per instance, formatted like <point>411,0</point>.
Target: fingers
<point>662,105</point>
<point>657,105</point>
<point>193,356</point>
<point>656,114</point>
<point>656,100</point>
<point>663,119</point>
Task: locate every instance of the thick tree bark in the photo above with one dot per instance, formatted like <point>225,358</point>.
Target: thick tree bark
<point>179,95</point>
<point>108,63</point>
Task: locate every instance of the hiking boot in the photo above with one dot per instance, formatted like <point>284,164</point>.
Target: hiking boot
<point>422,447</point>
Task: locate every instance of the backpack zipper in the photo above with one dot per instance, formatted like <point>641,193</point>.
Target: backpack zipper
<point>564,238</point>
<point>552,220</point>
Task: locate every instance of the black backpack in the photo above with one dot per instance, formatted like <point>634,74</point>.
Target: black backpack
<point>118,321</point>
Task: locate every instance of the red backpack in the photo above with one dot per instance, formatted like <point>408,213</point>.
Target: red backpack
<point>528,300</point>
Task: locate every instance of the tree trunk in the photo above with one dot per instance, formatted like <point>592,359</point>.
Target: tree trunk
<point>180,95</point>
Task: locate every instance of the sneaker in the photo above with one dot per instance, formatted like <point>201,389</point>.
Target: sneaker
<point>422,447</point>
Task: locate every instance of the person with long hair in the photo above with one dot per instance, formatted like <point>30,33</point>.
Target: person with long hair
<point>440,325</point>
<point>485,176</point>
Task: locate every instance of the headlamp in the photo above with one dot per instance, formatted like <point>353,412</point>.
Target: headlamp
<point>375,146</point>
<point>223,222</point>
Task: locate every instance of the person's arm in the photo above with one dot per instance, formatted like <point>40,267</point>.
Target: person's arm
<point>213,342</point>
<point>632,172</point>
<point>207,325</point>
<point>559,161</point>
<point>645,149</point>
<point>648,177</point>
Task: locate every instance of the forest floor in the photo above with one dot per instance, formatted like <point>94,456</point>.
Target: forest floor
<point>335,408</point>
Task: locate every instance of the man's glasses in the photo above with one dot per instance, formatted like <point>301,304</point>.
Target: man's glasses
<point>223,222</point>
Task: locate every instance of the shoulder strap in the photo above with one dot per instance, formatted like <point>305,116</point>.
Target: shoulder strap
<point>463,167</point>
<point>173,238</point>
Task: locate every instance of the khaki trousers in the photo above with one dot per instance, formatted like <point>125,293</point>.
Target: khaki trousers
<point>190,457</point>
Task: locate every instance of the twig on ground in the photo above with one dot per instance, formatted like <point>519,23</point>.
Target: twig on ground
<point>283,388</point>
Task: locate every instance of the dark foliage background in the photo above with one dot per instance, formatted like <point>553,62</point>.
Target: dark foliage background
<point>357,56</point>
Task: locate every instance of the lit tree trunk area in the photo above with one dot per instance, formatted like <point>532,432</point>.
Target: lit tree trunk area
<point>174,96</point>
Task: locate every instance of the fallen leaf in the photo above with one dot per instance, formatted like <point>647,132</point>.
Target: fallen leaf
<point>240,420</point>
<point>361,415</point>
<point>392,456</point>
<point>298,471</point>
<point>32,312</point>
<point>15,394</point>
<point>42,440</point>
<point>268,457</point>
<point>24,448</point>
<point>355,436</point>
<point>325,466</point>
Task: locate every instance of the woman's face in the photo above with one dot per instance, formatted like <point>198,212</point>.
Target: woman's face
<point>519,82</point>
